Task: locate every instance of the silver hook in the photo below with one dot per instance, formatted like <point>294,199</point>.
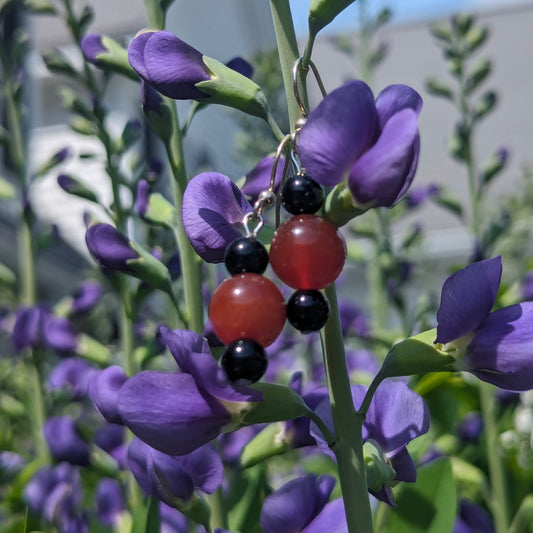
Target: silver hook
<point>295,70</point>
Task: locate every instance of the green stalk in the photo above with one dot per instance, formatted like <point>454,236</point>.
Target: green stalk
<point>190,263</point>
<point>288,55</point>
<point>35,403</point>
<point>348,447</point>
<point>499,502</point>
<point>348,424</point>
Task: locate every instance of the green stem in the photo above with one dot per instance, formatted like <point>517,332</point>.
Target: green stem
<point>365,68</point>
<point>36,407</point>
<point>499,500</point>
<point>288,55</point>
<point>524,516</point>
<point>190,263</point>
<point>348,425</point>
<point>348,447</point>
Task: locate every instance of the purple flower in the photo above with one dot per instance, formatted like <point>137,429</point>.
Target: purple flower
<point>177,70</point>
<point>11,464</point>
<point>470,427</point>
<point>175,477</point>
<point>65,442</point>
<point>55,493</point>
<point>212,214</point>
<point>258,179</point>
<point>59,334</point>
<point>374,143</point>
<point>418,195</point>
<point>110,437</point>
<point>142,197</point>
<point>72,375</point>
<point>396,416</point>
<point>104,388</point>
<point>496,347</point>
<point>241,66</point>
<point>168,64</point>
<point>472,519</point>
<point>108,247</point>
<point>110,501</point>
<point>176,413</point>
<point>527,286</point>
<point>91,46</point>
<point>85,297</point>
<point>28,327</point>
<point>301,506</point>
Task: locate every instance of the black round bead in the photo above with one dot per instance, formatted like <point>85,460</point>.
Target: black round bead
<point>244,359</point>
<point>302,195</point>
<point>307,310</point>
<point>246,254</point>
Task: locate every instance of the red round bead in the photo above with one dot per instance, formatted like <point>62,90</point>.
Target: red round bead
<point>247,306</point>
<point>307,252</point>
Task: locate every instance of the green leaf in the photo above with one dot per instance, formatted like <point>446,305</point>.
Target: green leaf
<point>160,211</point>
<point>85,19</point>
<point>438,88</point>
<point>146,517</point>
<point>484,105</point>
<point>479,74</point>
<point>57,63</point>
<point>493,166</point>
<point>149,269</point>
<point>272,440</point>
<point>416,355</point>
<point>449,202</point>
<point>322,12</point>
<point>429,505</point>
<point>40,7</point>
<point>279,403</point>
<point>475,37</point>
<point>441,32</point>
<point>7,191</point>
<point>461,23</point>
<point>228,87</point>
<point>115,58</point>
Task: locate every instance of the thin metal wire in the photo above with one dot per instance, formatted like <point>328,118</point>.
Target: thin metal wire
<point>295,71</point>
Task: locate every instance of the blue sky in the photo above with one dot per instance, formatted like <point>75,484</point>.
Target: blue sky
<point>403,10</point>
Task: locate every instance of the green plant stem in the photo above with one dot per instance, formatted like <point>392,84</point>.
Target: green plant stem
<point>288,55</point>
<point>348,424</point>
<point>498,498</point>
<point>190,263</point>
<point>365,68</point>
<point>524,516</point>
<point>348,447</point>
<point>499,501</point>
<point>36,406</point>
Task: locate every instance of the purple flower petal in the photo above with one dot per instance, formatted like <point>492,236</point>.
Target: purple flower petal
<point>467,298</point>
<point>378,176</point>
<point>27,330</point>
<point>110,248</point>
<point>169,412</point>
<point>258,179</point>
<point>110,501</point>
<point>393,99</point>
<point>59,334</point>
<point>170,65</point>
<point>403,465</point>
<point>85,297</point>
<point>91,46</point>
<point>331,519</point>
<point>193,356</point>
<point>472,519</point>
<point>396,416</point>
<point>72,374</point>
<point>104,389</point>
<point>212,214</point>
<point>64,441</point>
<point>293,506</point>
<point>500,352</point>
<point>342,127</point>
<point>241,66</point>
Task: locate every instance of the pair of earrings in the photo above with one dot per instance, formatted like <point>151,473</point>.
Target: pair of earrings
<point>248,311</point>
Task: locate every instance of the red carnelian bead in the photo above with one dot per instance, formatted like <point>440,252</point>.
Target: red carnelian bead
<point>307,252</point>
<point>247,306</point>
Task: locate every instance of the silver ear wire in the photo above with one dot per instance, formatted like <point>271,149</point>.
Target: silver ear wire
<point>295,70</point>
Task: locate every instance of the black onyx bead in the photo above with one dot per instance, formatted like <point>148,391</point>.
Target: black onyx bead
<point>246,254</point>
<point>302,195</point>
<point>307,310</point>
<point>244,359</point>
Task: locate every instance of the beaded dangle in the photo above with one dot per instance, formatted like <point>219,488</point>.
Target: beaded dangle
<point>247,311</point>
<point>307,252</point>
